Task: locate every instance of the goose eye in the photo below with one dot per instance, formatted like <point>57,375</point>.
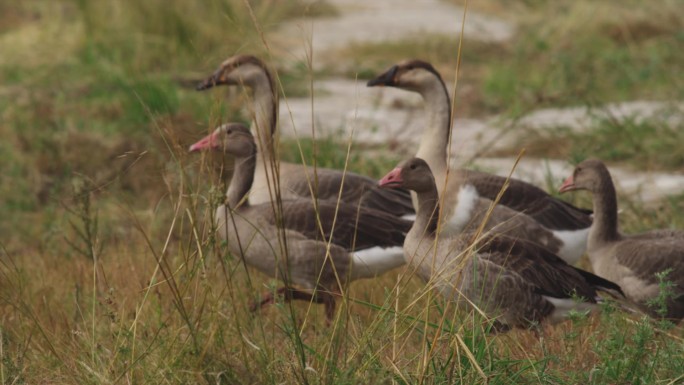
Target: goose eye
<point>412,167</point>
<point>229,132</point>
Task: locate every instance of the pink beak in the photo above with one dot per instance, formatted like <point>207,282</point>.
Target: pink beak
<point>392,179</point>
<point>204,143</point>
<point>568,185</point>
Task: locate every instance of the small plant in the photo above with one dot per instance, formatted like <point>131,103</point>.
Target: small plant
<point>666,292</point>
<point>86,241</point>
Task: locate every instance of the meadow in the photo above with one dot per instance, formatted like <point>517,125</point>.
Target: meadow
<point>109,270</point>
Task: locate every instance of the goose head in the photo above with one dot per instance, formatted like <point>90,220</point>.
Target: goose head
<point>232,138</point>
<point>245,70</point>
<point>586,176</point>
<point>413,174</point>
<point>412,75</point>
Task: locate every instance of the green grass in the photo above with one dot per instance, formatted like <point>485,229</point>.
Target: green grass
<point>334,153</point>
<point>564,53</point>
<point>648,143</point>
<point>109,270</point>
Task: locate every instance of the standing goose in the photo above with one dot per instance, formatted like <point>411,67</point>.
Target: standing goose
<point>295,180</point>
<point>315,247</point>
<point>630,260</point>
<point>515,282</point>
<point>569,223</point>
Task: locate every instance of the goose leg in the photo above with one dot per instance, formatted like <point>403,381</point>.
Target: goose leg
<point>328,300</point>
<point>288,294</point>
<point>266,299</point>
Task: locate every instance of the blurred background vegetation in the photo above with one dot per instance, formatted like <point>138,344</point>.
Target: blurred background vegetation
<point>97,109</point>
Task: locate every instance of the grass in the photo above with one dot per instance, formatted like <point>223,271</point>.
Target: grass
<point>648,143</point>
<point>109,270</point>
<point>591,55</point>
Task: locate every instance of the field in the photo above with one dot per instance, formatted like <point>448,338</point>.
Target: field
<point>109,270</point>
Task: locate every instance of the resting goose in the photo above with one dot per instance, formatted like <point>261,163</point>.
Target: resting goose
<point>630,260</point>
<point>515,282</point>
<point>311,262</point>
<point>569,224</point>
<point>295,179</point>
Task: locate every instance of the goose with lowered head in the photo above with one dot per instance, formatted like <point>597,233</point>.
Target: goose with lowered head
<point>517,283</point>
<point>295,180</point>
<point>633,261</point>
<point>318,247</point>
<point>569,223</point>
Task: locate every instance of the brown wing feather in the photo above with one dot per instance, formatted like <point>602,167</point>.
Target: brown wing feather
<point>648,256</point>
<point>551,212</point>
<point>545,271</point>
<point>345,226</point>
<point>356,189</point>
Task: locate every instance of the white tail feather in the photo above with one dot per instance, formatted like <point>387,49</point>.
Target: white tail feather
<point>375,261</point>
<point>564,306</point>
<point>574,244</point>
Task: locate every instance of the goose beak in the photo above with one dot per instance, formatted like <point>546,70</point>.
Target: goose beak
<point>568,185</point>
<point>214,80</point>
<point>208,141</point>
<point>392,179</point>
<point>206,84</point>
<point>386,79</point>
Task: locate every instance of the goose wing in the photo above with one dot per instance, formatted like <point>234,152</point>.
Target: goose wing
<point>356,189</point>
<point>353,228</point>
<point>551,212</point>
<point>546,272</point>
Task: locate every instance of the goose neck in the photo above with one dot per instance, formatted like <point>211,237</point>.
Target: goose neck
<point>427,215</point>
<point>605,226</point>
<point>241,182</point>
<point>265,116</point>
<point>435,139</point>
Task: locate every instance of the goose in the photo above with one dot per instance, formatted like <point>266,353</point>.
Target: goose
<point>568,223</point>
<point>630,260</point>
<point>295,180</point>
<point>513,281</point>
<point>316,246</point>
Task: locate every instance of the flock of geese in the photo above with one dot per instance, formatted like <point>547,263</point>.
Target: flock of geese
<point>509,253</point>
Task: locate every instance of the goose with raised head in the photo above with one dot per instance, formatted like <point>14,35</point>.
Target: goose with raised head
<point>295,180</point>
<point>515,282</point>
<point>633,261</point>
<point>568,223</point>
<point>317,247</point>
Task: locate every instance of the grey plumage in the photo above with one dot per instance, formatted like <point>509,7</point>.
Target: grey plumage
<point>421,77</point>
<point>252,73</point>
<point>516,282</point>
<point>306,244</point>
<point>630,260</point>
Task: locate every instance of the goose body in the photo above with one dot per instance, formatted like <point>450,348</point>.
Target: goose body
<point>295,180</point>
<point>316,247</point>
<point>630,260</point>
<point>516,282</point>
<point>567,224</point>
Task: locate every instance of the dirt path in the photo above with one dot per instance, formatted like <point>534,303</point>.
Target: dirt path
<point>385,20</point>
